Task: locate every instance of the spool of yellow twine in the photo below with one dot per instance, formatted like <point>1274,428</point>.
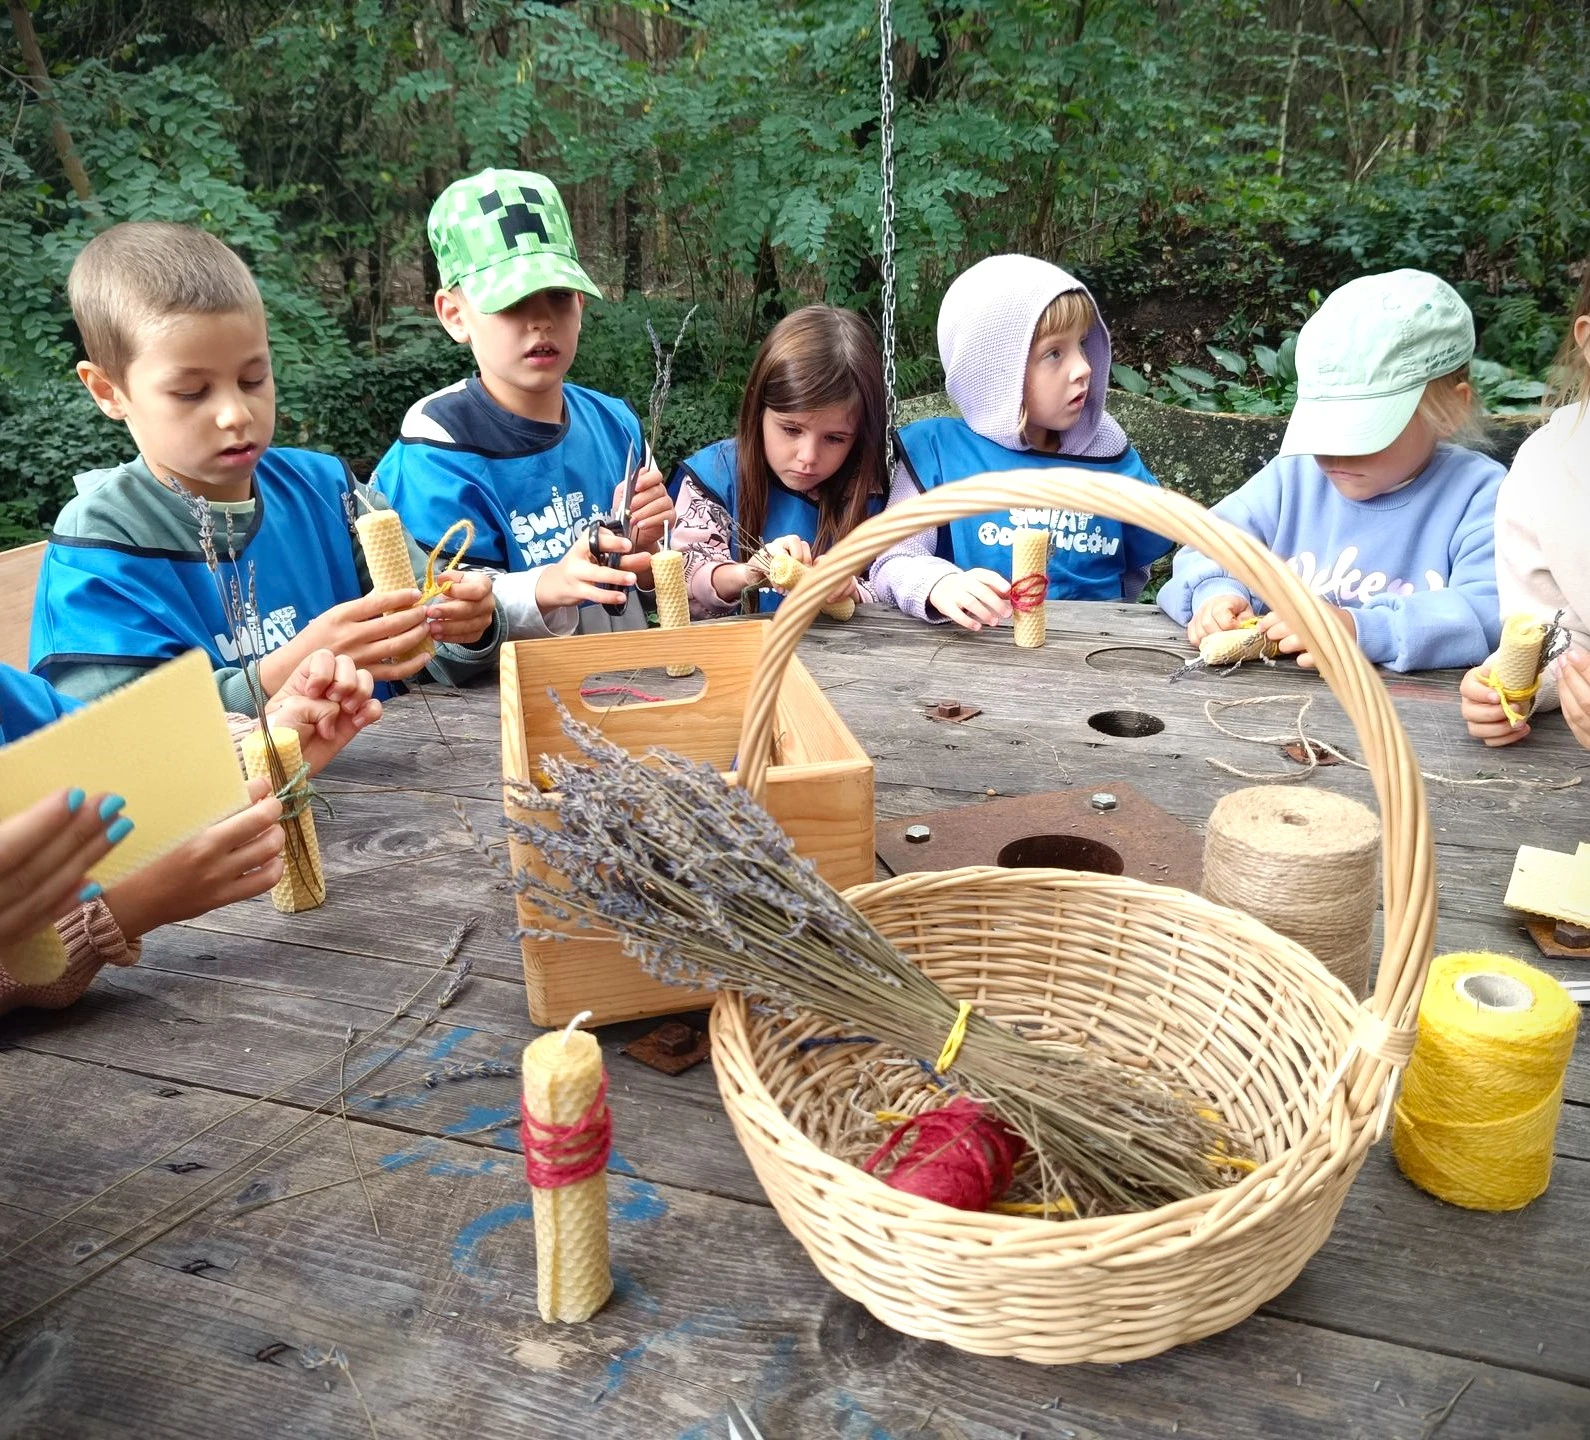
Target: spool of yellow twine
<point>1481,1095</point>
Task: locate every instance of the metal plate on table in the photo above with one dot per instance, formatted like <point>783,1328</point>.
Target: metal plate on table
<point>1061,828</point>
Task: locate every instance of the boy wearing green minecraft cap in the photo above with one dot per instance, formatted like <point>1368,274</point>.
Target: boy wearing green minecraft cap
<point>1373,500</point>
<point>516,449</point>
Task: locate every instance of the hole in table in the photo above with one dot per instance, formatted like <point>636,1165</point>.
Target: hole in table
<point>1126,724</point>
<point>1061,852</point>
<point>1133,660</point>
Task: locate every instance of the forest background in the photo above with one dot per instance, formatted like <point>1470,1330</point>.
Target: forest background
<point>1209,167</point>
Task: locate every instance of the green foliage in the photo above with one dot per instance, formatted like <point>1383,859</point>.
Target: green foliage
<point>1219,160</point>
<point>1266,384</point>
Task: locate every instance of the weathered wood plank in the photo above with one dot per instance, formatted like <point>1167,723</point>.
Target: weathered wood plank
<point>436,1319</point>
<point>252,1040</point>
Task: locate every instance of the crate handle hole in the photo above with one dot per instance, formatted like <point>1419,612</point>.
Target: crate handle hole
<point>1061,852</point>
<point>640,689</point>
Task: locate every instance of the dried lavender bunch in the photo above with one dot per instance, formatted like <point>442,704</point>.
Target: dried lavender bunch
<point>702,885</point>
<point>663,379</point>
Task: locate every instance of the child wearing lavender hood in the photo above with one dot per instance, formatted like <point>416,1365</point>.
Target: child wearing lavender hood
<point>1027,359</point>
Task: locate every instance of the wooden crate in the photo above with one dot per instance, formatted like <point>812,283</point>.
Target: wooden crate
<point>819,788</point>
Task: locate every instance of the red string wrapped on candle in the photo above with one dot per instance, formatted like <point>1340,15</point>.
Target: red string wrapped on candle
<point>558,1155</point>
<point>1029,592</point>
<point>961,1156</point>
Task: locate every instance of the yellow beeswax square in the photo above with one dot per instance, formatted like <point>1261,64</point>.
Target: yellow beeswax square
<point>162,743</point>
<point>1545,882</point>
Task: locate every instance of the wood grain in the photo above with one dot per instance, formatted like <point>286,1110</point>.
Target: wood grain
<point>436,1316</point>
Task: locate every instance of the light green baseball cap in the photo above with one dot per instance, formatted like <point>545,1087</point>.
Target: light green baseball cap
<point>1365,356</point>
<point>504,234</point>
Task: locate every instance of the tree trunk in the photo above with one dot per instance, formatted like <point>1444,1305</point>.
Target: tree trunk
<point>1286,94</point>
<point>38,71</point>
<point>1410,73</point>
<point>634,251</point>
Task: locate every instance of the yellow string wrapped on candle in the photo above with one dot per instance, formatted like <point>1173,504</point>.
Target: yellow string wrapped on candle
<point>1481,1095</point>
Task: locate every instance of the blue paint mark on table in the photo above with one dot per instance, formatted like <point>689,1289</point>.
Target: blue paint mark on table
<point>636,1201</point>
<point>465,1260</point>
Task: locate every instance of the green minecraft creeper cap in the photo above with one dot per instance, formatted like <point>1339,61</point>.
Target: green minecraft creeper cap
<point>504,234</point>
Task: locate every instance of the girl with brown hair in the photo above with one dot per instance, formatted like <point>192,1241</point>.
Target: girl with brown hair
<point>804,468</point>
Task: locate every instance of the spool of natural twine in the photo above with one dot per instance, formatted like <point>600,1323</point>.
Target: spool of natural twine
<point>1306,863</point>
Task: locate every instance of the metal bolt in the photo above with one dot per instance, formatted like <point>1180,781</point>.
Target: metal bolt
<point>674,1038</point>
<point>917,834</point>
<point>949,709</point>
<point>1571,936</point>
<point>1103,800</point>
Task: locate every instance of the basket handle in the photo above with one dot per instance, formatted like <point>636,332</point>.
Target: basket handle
<point>1408,866</point>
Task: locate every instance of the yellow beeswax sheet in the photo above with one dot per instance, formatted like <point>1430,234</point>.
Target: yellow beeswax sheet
<point>162,743</point>
<point>1548,883</point>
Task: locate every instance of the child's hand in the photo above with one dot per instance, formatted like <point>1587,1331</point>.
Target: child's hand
<point>1290,643</point>
<point>793,546</point>
<point>1224,612</point>
<point>235,859</point>
<point>360,630</point>
<point>464,614</point>
<point>1482,710</point>
<point>577,578</point>
<point>1573,688</point>
<point>972,598</point>
<point>327,701</point>
<point>651,509</point>
<point>46,852</point>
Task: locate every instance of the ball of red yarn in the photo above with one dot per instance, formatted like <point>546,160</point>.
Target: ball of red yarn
<point>960,1156</point>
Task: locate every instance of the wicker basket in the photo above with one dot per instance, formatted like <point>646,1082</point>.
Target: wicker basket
<point>1210,998</point>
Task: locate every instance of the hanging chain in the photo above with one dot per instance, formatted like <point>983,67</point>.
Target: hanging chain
<point>886,200</point>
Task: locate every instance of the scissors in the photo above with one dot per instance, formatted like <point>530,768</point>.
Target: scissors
<point>741,1426</point>
<point>618,521</point>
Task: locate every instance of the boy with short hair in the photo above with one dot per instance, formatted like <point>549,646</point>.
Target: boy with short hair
<point>177,347</point>
<point>527,457</point>
<point>1027,359</point>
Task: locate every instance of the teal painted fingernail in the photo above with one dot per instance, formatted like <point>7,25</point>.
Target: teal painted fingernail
<point>110,805</point>
<point>91,891</point>
<point>119,831</point>
<point>74,800</point>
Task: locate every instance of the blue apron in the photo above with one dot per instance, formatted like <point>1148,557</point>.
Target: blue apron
<point>28,703</point>
<point>108,602</point>
<point>1089,555</point>
<point>528,509</point>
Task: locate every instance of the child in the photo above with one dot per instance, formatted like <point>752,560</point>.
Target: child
<point>1027,359</point>
<point>805,465</point>
<point>1543,544</point>
<point>177,348</point>
<point>525,456</point>
<point>1370,502</point>
<point>48,849</point>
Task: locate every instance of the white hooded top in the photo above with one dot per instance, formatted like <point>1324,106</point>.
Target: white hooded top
<point>986,322</point>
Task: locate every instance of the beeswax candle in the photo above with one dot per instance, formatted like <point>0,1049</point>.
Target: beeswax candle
<point>1515,677</point>
<point>567,1134</point>
<point>386,555</point>
<point>1029,556</point>
<point>303,882</point>
<point>673,599</point>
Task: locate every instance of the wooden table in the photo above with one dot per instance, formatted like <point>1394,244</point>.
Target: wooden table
<point>431,1327</point>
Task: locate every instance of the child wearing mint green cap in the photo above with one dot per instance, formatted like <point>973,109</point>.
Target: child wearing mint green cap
<point>1372,501</point>
<point>516,449</point>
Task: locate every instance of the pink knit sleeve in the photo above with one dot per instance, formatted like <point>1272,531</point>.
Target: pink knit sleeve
<point>703,533</point>
<point>92,938</point>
